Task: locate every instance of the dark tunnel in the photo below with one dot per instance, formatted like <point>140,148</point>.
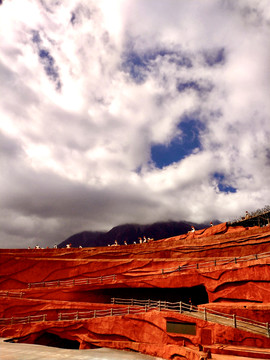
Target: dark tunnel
<point>49,339</point>
<point>197,294</point>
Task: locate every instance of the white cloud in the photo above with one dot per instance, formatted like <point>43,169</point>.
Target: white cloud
<point>89,87</point>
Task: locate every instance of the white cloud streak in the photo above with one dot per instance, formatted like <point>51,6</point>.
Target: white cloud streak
<point>87,88</point>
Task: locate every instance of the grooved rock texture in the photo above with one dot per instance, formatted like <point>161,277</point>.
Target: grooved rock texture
<point>222,268</point>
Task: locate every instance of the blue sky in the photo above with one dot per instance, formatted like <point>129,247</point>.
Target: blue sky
<point>180,147</point>
<point>131,111</point>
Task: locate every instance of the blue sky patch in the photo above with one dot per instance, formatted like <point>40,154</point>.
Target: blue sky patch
<point>222,184</point>
<point>188,85</point>
<point>36,37</point>
<point>50,67</point>
<point>138,65</point>
<point>181,60</point>
<point>200,89</point>
<point>46,60</point>
<point>179,148</point>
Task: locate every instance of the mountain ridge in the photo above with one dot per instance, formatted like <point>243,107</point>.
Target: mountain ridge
<point>130,233</point>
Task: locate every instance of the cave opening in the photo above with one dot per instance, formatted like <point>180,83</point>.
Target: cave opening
<point>197,294</point>
<point>53,340</point>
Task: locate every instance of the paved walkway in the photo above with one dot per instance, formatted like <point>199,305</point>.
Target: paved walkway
<point>10,351</point>
<point>242,325</point>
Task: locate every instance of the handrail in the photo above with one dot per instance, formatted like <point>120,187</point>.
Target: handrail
<point>217,262</point>
<point>134,306</point>
<point>236,321</point>
<point>78,315</point>
<point>74,282</point>
<point>113,277</point>
<point>23,320</point>
<point>12,293</point>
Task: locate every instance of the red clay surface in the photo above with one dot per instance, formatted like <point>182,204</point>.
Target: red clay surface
<point>227,266</point>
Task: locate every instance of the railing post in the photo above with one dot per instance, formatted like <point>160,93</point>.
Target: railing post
<point>113,277</point>
<point>113,300</point>
<point>215,262</point>
<point>256,256</point>
<point>162,271</point>
<point>44,317</point>
<point>234,321</point>
<point>77,315</point>
<point>29,285</point>
<point>95,313</point>
<point>235,260</point>
<point>58,282</point>
<point>132,302</point>
<point>159,305</point>
<point>197,266</point>
<point>29,319</point>
<point>205,314</point>
<point>149,302</point>
<point>59,317</point>
<point>128,309</point>
<point>73,282</point>
<point>180,307</point>
<point>101,278</point>
<point>145,307</point>
<point>267,328</point>
<point>111,311</point>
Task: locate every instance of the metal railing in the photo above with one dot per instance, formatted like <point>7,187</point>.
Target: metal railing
<point>23,320</point>
<point>113,277</point>
<point>254,214</point>
<point>217,262</point>
<point>236,321</point>
<point>78,315</point>
<point>75,282</point>
<point>133,306</point>
<point>15,294</point>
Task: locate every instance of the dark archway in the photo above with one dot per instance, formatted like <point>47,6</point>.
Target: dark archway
<point>54,340</point>
<point>197,294</point>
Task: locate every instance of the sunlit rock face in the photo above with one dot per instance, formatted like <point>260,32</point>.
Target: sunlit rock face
<point>60,294</point>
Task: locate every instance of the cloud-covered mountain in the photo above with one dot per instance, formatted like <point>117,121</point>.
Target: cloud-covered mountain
<point>129,233</point>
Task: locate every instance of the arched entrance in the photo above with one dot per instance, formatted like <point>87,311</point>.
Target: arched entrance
<point>49,339</point>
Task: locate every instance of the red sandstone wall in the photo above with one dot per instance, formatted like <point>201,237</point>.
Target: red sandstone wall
<point>138,266</point>
<point>131,330</point>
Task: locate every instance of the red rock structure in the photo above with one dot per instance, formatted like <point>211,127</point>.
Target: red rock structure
<point>193,296</point>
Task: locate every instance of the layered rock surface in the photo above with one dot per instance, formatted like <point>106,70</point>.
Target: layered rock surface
<point>221,268</point>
